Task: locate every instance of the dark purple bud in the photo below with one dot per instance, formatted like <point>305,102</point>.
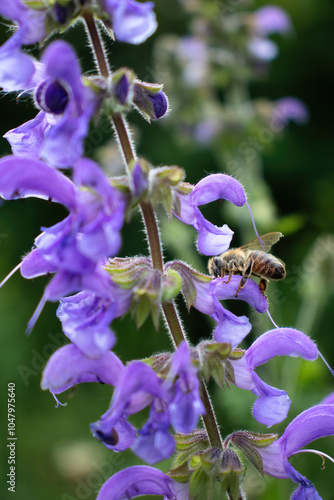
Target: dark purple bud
<point>122,89</point>
<point>62,12</point>
<point>139,178</point>
<point>150,100</point>
<point>51,96</point>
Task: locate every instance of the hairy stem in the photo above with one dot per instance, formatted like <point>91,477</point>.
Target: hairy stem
<point>97,45</point>
<point>150,222</point>
<point>123,137</point>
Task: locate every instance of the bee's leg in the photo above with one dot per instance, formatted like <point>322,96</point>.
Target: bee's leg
<point>263,285</point>
<point>230,271</point>
<point>245,275</point>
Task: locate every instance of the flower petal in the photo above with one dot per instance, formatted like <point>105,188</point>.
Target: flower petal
<point>281,342</point>
<point>22,177</point>
<point>142,480</point>
<point>68,366</point>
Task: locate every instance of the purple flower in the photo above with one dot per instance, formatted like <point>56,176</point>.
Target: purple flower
<point>142,480</point>
<point>174,402</point>
<point>16,68</point>
<point>154,442</point>
<point>271,19</point>
<point>75,248</point>
<point>67,105</point>
<point>205,295</point>
<point>185,405</point>
<point>212,240</point>
<point>272,404</point>
<point>289,109</point>
<point>69,366</point>
<point>86,317</point>
<point>132,22</point>
<point>312,424</point>
<point>135,389</point>
<point>194,56</point>
<point>150,100</point>
<point>267,20</point>
<point>263,49</point>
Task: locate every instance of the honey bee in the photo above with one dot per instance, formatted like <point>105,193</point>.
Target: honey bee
<point>248,260</point>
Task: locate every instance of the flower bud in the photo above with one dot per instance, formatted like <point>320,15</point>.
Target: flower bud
<point>121,86</point>
<point>231,471</point>
<point>63,10</point>
<point>150,100</point>
<point>139,173</point>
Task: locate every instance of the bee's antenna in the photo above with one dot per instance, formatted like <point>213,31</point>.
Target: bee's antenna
<point>253,222</point>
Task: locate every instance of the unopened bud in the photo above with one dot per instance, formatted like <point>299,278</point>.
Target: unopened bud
<point>150,100</point>
<point>139,172</point>
<point>121,86</point>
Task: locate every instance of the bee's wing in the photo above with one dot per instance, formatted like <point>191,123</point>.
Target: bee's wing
<point>264,243</point>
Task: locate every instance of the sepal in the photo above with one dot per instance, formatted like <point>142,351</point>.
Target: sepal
<point>247,442</point>
<point>163,183</point>
<point>231,474</point>
<point>188,445</point>
<point>150,100</point>
<point>191,279</point>
<point>213,358</point>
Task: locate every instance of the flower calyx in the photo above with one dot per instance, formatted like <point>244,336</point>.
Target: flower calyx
<point>231,475</point>
<point>215,361</point>
<point>249,443</point>
<point>150,287</point>
<point>163,186</point>
<point>191,281</point>
<point>150,100</point>
<point>121,89</point>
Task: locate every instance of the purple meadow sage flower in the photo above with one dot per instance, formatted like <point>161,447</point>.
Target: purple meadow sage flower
<point>141,480</point>
<point>77,247</point>
<point>174,402</point>
<point>135,390</point>
<point>263,49</point>
<point>67,106</point>
<point>266,21</point>
<point>271,19</point>
<point>17,68</point>
<point>204,293</point>
<point>212,240</point>
<point>231,328</point>
<point>185,406</point>
<point>132,22</point>
<point>289,109</point>
<point>272,404</point>
<point>154,442</point>
<point>86,317</point>
<point>69,366</point>
<point>312,424</point>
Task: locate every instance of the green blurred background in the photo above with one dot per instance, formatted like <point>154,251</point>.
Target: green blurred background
<point>57,458</point>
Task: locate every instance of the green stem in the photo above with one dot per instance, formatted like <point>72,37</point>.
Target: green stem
<point>152,234</point>
<point>169,309</point>
<point>96,44</point>
<point>209,419</point>
<point>123,138</point>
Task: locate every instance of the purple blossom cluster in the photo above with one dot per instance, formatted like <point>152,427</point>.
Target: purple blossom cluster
<point>94,286</point>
